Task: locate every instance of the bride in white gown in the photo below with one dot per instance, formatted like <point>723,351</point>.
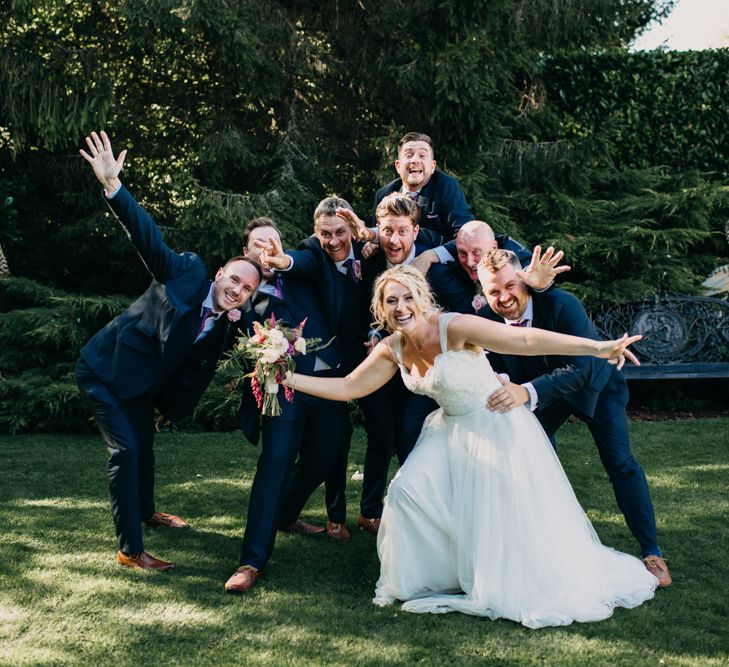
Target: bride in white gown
<point>481,518</point>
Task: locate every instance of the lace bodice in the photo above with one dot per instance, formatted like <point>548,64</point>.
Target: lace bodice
<point>460,381</point>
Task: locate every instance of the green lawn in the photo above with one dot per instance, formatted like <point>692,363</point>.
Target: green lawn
<point>64,601</point>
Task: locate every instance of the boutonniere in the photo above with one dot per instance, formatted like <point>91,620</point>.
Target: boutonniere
<point>479,301</point>
<point>357,268</point>
<point>234,315</point>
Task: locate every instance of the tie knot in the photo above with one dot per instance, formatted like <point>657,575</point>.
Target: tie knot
<point>522,323</point>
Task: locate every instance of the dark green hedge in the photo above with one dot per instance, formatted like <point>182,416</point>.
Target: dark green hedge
<point>657,107</point>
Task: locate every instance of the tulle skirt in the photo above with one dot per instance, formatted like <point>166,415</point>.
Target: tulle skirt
<point>481,519</point>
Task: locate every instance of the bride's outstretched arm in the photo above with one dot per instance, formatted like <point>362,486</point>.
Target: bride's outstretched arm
<point>530,341</point>
<point>370,375</point>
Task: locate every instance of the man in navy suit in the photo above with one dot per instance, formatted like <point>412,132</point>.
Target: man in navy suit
<point>161,351</point>
<point>300,447</point>
<point>555,387</point>
<point>393,416</point>
<point>456,284</point>
<point>442,204</point>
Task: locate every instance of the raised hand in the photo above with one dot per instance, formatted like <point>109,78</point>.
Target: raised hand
<point>102,161</point>
<point>370,250</point>
<point>356,224</point>
<point>272,255</point>
<point>543,269</point>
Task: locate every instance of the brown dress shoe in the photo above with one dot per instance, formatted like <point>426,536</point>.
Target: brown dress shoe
<point>301,528</point>
<point>166,521</point>
<point>370,525</point>
<point>658,568</point>
<point>338,531</point>
<point>143,561</point>
<point>242,580</point>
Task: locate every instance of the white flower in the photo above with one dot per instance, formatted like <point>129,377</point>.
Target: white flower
<point>269,356</point>
<point>300,345</point>
<point>276,338</point>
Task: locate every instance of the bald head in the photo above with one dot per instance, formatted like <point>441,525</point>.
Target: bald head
<point>473,241</point>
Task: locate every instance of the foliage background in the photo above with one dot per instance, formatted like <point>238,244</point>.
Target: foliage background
<point>233,109</point>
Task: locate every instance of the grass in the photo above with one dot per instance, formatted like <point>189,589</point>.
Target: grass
<point>63,601</point>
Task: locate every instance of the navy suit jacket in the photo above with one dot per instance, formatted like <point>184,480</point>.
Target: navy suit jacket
<point>577,380</point>
<point>149,347</point>
<point>443,208</point>
<point>299,301</point>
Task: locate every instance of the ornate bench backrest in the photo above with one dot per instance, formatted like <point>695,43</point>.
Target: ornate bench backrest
<point>676,330</point>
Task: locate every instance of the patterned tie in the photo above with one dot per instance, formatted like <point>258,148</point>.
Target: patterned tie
<point>207,314</point>
<point>278,286</point>
<point>349,265</point>
<point>523,323</point>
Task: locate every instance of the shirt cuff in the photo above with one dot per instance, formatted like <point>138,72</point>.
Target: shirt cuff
<point>532,405</point>
<point>544,289</point>
<point>443,255</point>
<point>288,268</point>
<point>111,195</point>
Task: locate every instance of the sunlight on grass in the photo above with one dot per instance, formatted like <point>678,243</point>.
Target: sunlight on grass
<point>63,503</point>
<point>169,614</point>
<point>64,601</point>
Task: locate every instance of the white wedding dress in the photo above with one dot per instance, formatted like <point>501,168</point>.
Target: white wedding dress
<point>481,518</point>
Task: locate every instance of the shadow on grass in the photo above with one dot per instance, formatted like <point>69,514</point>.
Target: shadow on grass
<point>63,600</point>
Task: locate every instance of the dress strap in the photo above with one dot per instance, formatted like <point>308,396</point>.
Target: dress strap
<point>394,342</point>
<point>443,320</point>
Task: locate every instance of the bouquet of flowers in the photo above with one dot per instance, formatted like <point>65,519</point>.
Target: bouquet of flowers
<point>272,348</point>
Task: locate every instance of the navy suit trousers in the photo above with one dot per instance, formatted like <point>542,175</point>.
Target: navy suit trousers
<point>609,429</point>
<point>283,483</point>
<point>127,428</point>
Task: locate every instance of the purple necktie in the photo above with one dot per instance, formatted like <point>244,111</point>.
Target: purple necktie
<point>523,323</point>
<point>207,314</point>
<point>349,265</point>
<point>277,286</point>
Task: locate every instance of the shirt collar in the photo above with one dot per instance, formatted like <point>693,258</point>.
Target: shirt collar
<point>208,303</point>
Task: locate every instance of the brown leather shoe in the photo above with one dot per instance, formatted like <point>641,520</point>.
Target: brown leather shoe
<point>370,525</point>
<point>242,580</point>
<point>338,531</point>
<point>658,568</point>
<point>166,521</point>
<point>302,528</point>
<point>144,561</point>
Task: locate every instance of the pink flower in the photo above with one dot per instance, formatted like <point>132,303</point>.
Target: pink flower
<point>234,315</point>
<point>357,269</point>
<point>479,301</point>
<point>257,393</point>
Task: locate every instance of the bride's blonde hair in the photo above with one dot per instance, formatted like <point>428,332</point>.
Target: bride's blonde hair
<point>411,279</point>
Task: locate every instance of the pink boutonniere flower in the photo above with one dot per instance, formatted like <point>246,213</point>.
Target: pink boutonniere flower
<point>234,315</point>
<point>357,268</point>
<point>479,301</point>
